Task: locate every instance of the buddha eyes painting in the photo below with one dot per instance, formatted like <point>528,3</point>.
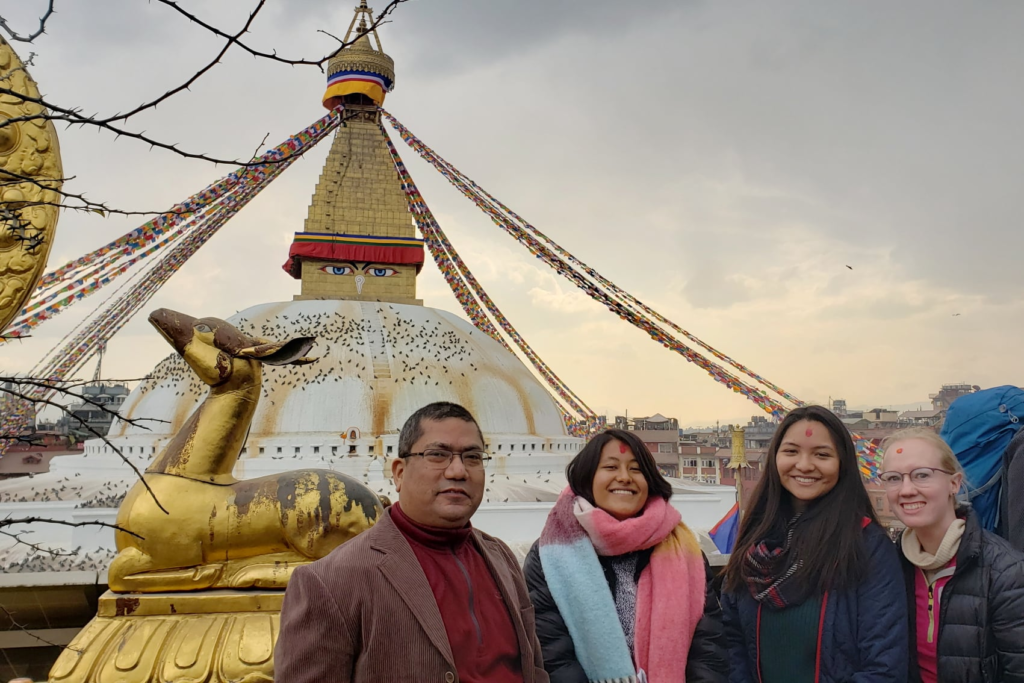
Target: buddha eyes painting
<point>368,269</point>
<point>337,270</point>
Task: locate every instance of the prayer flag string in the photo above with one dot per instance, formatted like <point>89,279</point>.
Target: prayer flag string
<point>470,294</point>
<point>95,270</point>
<point>617,300</point>
<point>18,414</point>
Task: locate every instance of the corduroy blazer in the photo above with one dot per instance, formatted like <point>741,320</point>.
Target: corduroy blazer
<point>366,613</point>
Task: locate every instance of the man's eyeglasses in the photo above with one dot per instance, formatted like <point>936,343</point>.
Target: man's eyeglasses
<point>439,459</point>
<point>922,476</point>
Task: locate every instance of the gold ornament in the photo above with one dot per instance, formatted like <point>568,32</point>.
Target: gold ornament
<point>219,532</point>
<point>30,177</point>
<point>359,56</point>
<point>212,637</point>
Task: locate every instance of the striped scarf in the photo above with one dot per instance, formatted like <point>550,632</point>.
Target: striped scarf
<point>670,593</point>
<point>770,567</point>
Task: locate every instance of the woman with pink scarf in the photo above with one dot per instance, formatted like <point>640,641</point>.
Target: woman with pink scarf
<point>621,589</point>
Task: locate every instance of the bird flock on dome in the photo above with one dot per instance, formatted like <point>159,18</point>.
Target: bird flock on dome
<point>187,226</point>
<point>422,351</point>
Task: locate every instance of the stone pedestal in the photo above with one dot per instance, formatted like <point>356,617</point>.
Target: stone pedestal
<point>209,636</point>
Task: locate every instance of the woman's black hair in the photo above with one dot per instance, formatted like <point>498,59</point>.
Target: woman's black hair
<point>580,472</point>
<point>828,537</point>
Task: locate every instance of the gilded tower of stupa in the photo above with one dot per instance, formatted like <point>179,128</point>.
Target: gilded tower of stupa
<point>359,242</point>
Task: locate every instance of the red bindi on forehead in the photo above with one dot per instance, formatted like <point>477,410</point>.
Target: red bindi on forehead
<point>623,447</point>
<point>899,450</point>
<point>809,432</point>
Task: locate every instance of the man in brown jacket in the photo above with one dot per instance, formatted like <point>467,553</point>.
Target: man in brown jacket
<point>422,595</point>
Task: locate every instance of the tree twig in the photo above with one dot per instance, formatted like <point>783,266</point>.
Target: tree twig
<point>9,521</point>
<point>14,35</point>
<point>232,40</point>
<point>82,423</point>
<point>273,56</point>
<point>14,622</point>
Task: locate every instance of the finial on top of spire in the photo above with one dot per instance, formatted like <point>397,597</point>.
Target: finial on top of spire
<point>361,68</point>
<point>363,13</point>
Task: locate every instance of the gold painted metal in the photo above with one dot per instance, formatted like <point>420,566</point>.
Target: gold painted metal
<point>28,211</point>
<point>359,193</point>
<point>738,461</point>
<point>216,636</point>
<point>219,532</point>
<point>361,55</point>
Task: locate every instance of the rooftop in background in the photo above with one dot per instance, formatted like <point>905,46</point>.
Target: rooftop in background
<point>656,422</point>
<point>917,414</point>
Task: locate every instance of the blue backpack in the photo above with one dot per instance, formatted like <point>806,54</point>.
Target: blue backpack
<point>979,427</point>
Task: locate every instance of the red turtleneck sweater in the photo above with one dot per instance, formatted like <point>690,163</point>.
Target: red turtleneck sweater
<point>480,631</point>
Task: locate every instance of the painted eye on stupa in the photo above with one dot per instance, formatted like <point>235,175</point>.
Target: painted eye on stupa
<point>381,272</point>
<point>337,270</point>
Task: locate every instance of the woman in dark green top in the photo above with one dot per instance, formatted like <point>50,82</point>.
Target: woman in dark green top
<point>813,590</point>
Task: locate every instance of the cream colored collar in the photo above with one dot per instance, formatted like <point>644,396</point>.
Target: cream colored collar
<point>947,549</point>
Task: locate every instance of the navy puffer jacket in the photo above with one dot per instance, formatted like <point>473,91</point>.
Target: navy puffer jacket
<point>864,634</point>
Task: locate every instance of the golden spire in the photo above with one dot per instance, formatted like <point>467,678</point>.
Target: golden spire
<point>738,462</point>
<point>360,68</point>
<point>359,241</point>
<point>739,450</point>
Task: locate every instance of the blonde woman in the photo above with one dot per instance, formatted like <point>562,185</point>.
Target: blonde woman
<point>965,585</point>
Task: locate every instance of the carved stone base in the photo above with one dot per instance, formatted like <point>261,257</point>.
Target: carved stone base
<point>210,637</point>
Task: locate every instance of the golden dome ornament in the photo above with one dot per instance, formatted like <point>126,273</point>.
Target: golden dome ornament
<point>30,180</point>
<point>360,68</point>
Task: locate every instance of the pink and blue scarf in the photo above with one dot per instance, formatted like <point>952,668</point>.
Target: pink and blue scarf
<point>670,595</point>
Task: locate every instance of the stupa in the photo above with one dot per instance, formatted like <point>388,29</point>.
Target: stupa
<point>382,354</point>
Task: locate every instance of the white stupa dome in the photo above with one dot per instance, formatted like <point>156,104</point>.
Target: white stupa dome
<point>378,363</point>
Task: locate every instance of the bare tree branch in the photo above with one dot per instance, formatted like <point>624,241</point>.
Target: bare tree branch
<point>195,77</point>
<point>73,116</point>
<point>14,521</point>
<point>273,56</point>
<point>36,400</point>
<point>256,154</point>
<point>23,629</point>
<point>18,540</point>
<point>65,389</point>
<point>14,35</point>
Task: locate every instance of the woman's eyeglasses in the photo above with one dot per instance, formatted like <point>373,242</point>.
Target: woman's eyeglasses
<point>921,476</point>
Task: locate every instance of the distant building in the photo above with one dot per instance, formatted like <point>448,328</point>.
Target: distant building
<point>839,407</point>
<point>759,432</point>
<point>880,418</point>
<point>949,393</point>
<point>93,412</point>
<point>700,463</point>
<point>660,434</point>
<point>33,455</point>
<point>922,418</point>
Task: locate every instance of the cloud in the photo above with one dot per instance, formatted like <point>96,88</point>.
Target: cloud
<point>724,162</point>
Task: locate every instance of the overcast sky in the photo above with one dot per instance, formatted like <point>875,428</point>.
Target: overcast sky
<point>724,162</point>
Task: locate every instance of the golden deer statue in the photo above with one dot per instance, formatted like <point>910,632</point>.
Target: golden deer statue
<point>217,531</point>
